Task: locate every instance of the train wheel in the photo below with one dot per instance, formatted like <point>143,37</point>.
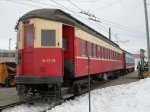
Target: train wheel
<point>77,89</point>
<point>10,82</point>
<point>116,75</point>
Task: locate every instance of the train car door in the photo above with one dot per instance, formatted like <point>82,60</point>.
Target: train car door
<point>27,56</point>
<point>68,47</point>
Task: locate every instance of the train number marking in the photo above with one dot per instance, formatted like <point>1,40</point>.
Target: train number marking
<point>49,60</point>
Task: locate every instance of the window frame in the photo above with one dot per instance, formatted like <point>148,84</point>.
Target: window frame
<point>85,48</point>
<point>44,42</point>
<point>90,46</point>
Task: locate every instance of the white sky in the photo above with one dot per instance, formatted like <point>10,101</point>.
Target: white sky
<point>128,13</point>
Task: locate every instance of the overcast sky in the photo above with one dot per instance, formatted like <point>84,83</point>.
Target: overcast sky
<point>125,17</point>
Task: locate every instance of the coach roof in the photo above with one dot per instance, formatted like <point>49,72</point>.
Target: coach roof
<point>61,16</point>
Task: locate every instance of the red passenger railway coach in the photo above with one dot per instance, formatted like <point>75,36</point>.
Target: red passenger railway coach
<point>53,51</point>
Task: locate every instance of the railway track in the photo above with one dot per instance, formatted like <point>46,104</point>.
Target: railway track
<point>95,85</point>
<point>54,103</point>
<point>10,105</point>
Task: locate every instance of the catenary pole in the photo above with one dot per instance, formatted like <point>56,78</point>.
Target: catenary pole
<point>147,34</point>
<point>109,33</point>
<point>89,78</point>
<point>9,43</point>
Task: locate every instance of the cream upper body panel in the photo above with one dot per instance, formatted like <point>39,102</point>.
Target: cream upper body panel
<point>90,38</point>
<point>40,24</point>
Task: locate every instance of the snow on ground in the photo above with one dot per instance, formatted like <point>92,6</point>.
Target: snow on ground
<point>38,107</point>
<point>133,97</point>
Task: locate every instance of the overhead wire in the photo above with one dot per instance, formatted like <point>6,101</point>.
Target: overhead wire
<point>120,26</point>
<point>104,28</point>
<point>42,3</point>
<point>123,26</point>
<point>24,3</point>
<point>79,0</point>
<point>74,11</point>
<point>74,5</point>
<point>61,5</point>
<point>47,4</point>
<point>113,3</point>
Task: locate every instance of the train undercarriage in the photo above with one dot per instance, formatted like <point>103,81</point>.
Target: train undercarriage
<point>59,91</point>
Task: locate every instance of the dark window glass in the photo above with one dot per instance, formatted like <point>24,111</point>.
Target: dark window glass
<point>83,47</point>
<point>48,38</point>
<point>103,52</point>
<point>65,43</point>
<point>102,55</point>
<point>120,57</point>
<point>106,53</point>
<point>11,54</point>
<point>109,54</point>
<point>90,49</point>
<point>98,51</point>
<point>4,54</point>
<point>94,50</point>
<point>29,37</point>
<point>112,55</point>
<point>1,54</point>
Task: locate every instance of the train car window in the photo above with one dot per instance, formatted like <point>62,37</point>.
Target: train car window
<point>83,48</point>
<point>90,49</point>
<point>98,54</point>
<point>4,54</point>
<point>113,55</point>
<point>108,54</point>
<point>65,43</point>
<point>104,56</point>
<point>118,56</point>
<point>11,54</point>
<point>105,53</point>
<point>102,52</point>
<point>29,37</point>
<point>48,37</point>
<point>94,50</point>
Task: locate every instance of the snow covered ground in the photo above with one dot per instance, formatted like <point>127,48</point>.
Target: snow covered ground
<point>133,97</point>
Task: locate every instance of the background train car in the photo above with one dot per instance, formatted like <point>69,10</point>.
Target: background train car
<point>53,50</point>
<point>7,56</point>
<point>128,61</point>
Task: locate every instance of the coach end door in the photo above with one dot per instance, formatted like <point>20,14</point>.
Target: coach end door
<point>27,60</point>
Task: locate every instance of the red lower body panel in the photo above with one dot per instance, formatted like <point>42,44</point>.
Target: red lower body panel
<point>45,62</point>
<point>96,66</point>
<point>130,65</point>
